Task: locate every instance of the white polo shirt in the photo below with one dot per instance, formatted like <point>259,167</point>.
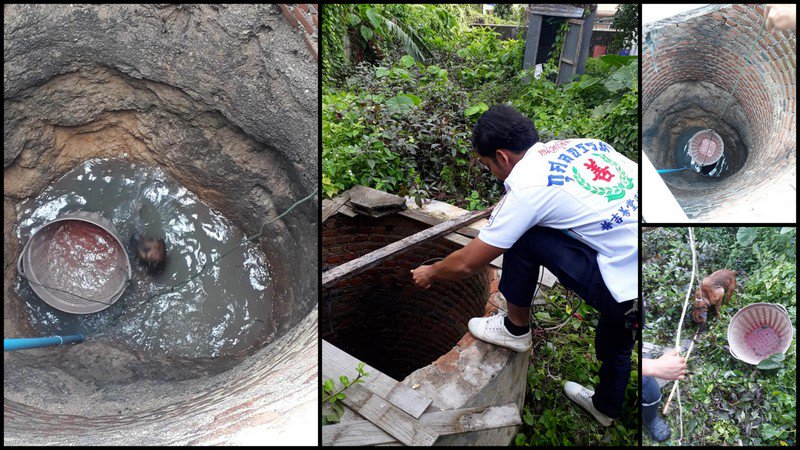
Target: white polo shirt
<point>582,186</point>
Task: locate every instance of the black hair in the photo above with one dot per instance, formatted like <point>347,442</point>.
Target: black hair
<point>503,127</point>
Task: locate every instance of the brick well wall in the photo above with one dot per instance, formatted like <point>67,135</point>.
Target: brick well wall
<point>378,316</point>
<point>303,17</point>
<point>712,48</point>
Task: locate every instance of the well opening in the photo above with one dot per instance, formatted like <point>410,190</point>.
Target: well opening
<point>690,64</point>
<point>171,108</point>
<point>379,316</point>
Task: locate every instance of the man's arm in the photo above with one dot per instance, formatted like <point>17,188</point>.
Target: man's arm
<point>458,265</point>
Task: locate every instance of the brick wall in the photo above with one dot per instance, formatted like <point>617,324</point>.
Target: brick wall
<point>378,316</point>
<point>303,17</point>
<point>712,48</point>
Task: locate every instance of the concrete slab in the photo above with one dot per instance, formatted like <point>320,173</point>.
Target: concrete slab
<point>375,203</point>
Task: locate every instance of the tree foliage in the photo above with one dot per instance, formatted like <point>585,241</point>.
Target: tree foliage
<point>626,22</point>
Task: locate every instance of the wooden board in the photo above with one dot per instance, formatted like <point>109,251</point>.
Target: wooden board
<point>334,205</point>
<point>388,417</point>
<point>430,220</point>
<point>336,362</point>
<point>440,422</point>
<point>374,258</point>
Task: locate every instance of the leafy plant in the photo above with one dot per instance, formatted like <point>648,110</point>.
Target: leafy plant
<point>332,409</point>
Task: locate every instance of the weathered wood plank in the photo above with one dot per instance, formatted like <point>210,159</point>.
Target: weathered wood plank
<point>440,422</point>
<point>334,205</point>
<point>430,220</point>
<point>336,362</point>
<point>374,258</point>
<point>388,417</point>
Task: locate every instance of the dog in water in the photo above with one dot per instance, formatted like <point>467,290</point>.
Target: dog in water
<point>712,291</point>
<point>152,253</point>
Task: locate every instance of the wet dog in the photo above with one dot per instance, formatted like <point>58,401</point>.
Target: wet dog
<point>712,291</point>
<point>152,253</point>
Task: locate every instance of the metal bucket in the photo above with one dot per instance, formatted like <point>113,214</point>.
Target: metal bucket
<point>759,330</point>
<point>76,263</point>
<point>705,147</point>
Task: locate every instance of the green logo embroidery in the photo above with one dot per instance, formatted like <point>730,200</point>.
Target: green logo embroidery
<point>615,192</point>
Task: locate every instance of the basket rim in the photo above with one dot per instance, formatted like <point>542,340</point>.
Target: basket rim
<point>775,306</point>
<point>52,298</point>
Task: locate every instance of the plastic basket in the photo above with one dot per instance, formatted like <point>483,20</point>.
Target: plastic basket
<point>705,147</point>
<point>759,330</point>
<point>76,263</point>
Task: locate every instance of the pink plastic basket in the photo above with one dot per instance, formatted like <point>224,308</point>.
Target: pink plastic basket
<point>706,147</point>
<point>759,330</point>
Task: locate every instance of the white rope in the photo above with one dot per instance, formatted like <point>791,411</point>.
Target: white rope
<point>689,292</point>
<point>680,414</point>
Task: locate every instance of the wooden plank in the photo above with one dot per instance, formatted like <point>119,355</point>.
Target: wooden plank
<point>442,423</point>
<point>430,220</point>
<point>461,236</point>
<point>374,258</point>
<point>557,10</point>
<point>336,362</point>
<point>387,417</point>
<point>334,205</point>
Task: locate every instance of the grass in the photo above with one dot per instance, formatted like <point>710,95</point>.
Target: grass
<point>563,355</point>
<point>725,401</point>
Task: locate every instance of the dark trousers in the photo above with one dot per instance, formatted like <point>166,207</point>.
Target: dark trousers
<point>575,265</point>
<point>651,391</point>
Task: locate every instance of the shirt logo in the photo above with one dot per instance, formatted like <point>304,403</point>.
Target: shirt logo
<point>603,175</point>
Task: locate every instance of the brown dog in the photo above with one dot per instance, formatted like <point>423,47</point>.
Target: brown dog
<point>711,292</point>
<point>152,253</point>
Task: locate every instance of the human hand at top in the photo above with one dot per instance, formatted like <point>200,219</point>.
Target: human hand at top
<point>781,17</point>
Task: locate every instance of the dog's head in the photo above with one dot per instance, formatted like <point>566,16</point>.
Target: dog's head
<point>700,306</point>
<point>700,312</point>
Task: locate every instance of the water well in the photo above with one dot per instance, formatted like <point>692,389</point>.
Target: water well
<point>222,99</point>
<point>419,337</point>
<point>690,63</point>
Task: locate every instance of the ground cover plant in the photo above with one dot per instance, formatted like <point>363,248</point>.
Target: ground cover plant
<point>725,401</point>
<point>568,354</point>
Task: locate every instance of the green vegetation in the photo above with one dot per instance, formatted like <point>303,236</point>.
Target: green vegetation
<point>568,354</point>
<point>725,401</point>
<point>332,399</point>
<point>398,114</point>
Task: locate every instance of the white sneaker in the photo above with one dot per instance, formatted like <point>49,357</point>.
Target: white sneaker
<point>493,330</point>
<point>583,398</point>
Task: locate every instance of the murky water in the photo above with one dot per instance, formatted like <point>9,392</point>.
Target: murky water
<point>222,311</point>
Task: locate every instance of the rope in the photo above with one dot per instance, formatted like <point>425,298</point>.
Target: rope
<point>678,336</point>
<point>689,292</point>
<point>730,94</point>
<point>741,71</point>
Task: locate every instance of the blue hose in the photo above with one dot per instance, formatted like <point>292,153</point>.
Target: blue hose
<point>671,170</point>
<point>23,343</point>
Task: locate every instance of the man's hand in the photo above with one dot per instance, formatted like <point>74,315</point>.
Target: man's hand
<point>458,265</point>
<point>669,366</point>
<point>781,17</point>
<point>423,276</point>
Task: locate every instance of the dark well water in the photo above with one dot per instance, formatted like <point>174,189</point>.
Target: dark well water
<point>224,310</point>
